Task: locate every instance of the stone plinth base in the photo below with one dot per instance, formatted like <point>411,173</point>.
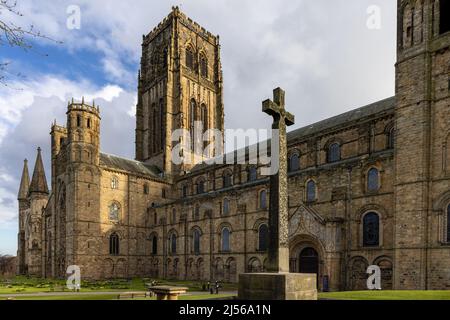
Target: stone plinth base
<point>277,286</point>
<point>167,293</point>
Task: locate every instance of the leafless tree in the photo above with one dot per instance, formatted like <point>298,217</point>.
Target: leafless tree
<point>14,35</point>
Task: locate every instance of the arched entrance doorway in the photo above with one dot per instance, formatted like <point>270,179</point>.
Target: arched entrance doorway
<point>309,261</point>
<point>306,255</point>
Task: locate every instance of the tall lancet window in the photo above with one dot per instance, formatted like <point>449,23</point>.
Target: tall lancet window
<point>444,19</point>
<point>114,244</point>
<point>448,223</point>
<point>371,229</point>
<point>192,118</point>
<point>196,241</point>
<point>203,66</point>
<point>154,125</point>
<point>161,124</point>
<point>190,58</point>
<point>204,117</point>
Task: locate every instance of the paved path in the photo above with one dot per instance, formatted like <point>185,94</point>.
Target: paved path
<point>94,293</point>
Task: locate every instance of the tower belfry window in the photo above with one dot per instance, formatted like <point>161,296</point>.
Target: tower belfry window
<point>204,67</point>
<point>189,58</point>
<point>161,123</point>
<point>444,16</point>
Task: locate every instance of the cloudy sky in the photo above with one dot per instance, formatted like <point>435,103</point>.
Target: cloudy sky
<point>320,51</point>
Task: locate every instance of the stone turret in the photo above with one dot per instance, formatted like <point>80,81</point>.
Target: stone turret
<point>24,182</point>
<point>23,206</point>
<point>39,181</point>
<point>38,198</point>
<point>80,187</point>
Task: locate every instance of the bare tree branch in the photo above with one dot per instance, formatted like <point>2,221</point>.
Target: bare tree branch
<point>15,36</point>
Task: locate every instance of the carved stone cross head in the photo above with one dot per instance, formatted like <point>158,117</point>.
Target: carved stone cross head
<point>276,109</point>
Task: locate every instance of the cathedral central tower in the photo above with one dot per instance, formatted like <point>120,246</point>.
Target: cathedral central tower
<point>180,83</point>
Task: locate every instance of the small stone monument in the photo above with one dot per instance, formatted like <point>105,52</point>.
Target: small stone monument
<point>278,283</point>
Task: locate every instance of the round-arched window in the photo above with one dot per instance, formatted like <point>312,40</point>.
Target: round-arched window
<point>373,183</point>
<point>371,230</point>
<point>334,152</point>
<point>263,237</point>
<point>114,211</point>
<point>311,191</point>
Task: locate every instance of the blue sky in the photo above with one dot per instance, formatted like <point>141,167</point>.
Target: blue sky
<point>321,52</point>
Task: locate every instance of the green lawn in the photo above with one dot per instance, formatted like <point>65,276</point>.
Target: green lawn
<point>386,295</point>
<point>71,297</point>
<point>26,285</point>
<point>21,284</point>
<point>114,297</point>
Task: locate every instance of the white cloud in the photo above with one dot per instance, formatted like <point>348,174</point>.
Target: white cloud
<point>8,208</point>
<point>26,126</point>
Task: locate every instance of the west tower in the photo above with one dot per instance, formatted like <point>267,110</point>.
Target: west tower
<point>180,82</point>
<point>422,174</point>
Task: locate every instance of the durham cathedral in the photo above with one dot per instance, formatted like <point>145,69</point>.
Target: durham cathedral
<point>367,187</point>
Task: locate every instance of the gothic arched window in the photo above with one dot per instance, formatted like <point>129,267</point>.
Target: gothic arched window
<point>391,138</point>
<point>204,117</point>
<point>114,244</point>
<point>203,66</point>
<point>190,58</point>
<point>164,57</point>
<point>114,211</point>
<point>448,223</point>
<point>373,180</point>
<point>444,20</point>
<point>192,119</point>
<point>227,179</point>
<point>263,199</point>
<point>184,191</point>
<point>200,186</point>
<point>226,207</point>
<point>114,183</point>
<point>196,241</point>
<point>161,123</point>
<point>252,174</point>
<point>311,195</point>
<point>225,240</point>
<point>371,230</point>
<point>154,244</point>
<point>263,237</point>
<point>334,152</point>
<point>173,243</point>
<point>154,128</point>
<point>294,162</point>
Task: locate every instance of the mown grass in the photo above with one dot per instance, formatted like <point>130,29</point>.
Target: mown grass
<point>22,284</point>
<point>114,297</point>
<point>386,295</point>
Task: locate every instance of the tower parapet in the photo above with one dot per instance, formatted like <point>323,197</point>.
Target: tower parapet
<point>83,132</point>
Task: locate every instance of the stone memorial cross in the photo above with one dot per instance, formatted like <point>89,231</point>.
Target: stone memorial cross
<point>278,206</point>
